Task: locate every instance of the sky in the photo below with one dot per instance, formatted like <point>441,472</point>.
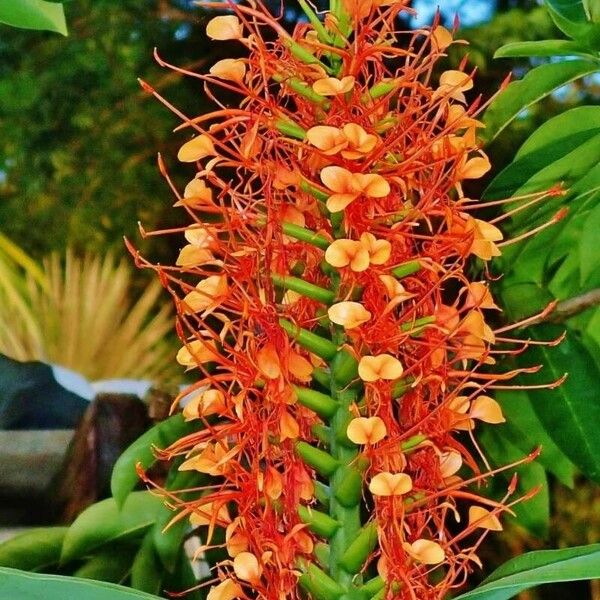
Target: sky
<point>470,12</point>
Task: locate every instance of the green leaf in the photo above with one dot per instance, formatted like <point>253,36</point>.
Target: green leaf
<point>524,430</point>
<point>33,550</point>
<point>124,476</point>
<point>537,84</point>
<point>570,412</point>
<point>534,514</point>
<point>34,14</point>
<point>104,522</point>
<point>589,257</point>
<point>542,48</point>
<point>536,568</point>
<point>571,17</point>
<point>168,543</point>
<point>18,584</point>
<point>147,571</point>
<point>109,564</point>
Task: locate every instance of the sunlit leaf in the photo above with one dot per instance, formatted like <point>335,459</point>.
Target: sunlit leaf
<point>34,14</point>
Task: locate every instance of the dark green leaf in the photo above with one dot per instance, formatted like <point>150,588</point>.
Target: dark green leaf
<point>589,254</point>
<point>33,550</point>
<point>534,514</point>
<point>571,18</point>
<point>537,84</point>
<point>108,564</point>
<point>542,48</point>
<point>30,586</point>
<point>524,430</point>
<point>147,571</point>
<point>184,579</point>
<point>124,476</point>
<point>33,14</point>
<point>537,568</point>
<point>104,522</point>
<point>570,412</point>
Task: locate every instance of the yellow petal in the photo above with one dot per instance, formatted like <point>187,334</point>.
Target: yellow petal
<point>475,168</point>
<point>425,551</point>
<point>450,463</point>
<point>226,590</point>
<point>196,353</point>
<point>390,484</point>
<point>196,148</point>
<point>342,253</point>
<point>366,430</point>
<point>209,292</point>
<point>192,256</point>
<point>486,409</point>
<point>204,514</point>
<point>456,80</point>
<point>226,27</point>
<point>331,86</point>
<point>382,366</point>
<point>330,140</point>
<point>246,567</point>
<point>197,188</point>
<point>441,38</point>
<point>480,517</point>
<point>348,314</point>
<point>230,69</point>
<point>199,237</point>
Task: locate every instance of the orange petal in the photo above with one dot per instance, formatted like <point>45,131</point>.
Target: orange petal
<point>487,410</point>
<point>425,551</point>
<point>331,86</point>
<point>359,140</point>
<point>450,463</point>
<point>196,189</point>
<point>268,362</point>
<point>299,367</point>
<point>366,430</point>
<point>479,296</point>
<point>330,140</point>
<point>342,253</point>
<point>196,148</point>
<point>338,179</point>
<point>456,80</point>
<point>204,514</point>
<point>199,237</point>
<point>383,366</point>
<point>480,517</point>
<point>209,292</point>
<point>372,185</point>
<point>196,352</point>
<point>379,250</point>
<point>226,590</point>
<point>230,69</point>
<point>288,427</point>
<point>390,484</point>
<point>441,38</point>
<point>246,567</point>
<point>226,27</point>
<point>475,168</point>
<point>348,314</point>
<point>192,256</point>
<point>338,202</point>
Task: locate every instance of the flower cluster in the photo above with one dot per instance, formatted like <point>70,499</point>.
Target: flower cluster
<point>323,298</point>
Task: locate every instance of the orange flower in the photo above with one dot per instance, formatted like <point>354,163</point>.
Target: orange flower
<point>199,147</point>
<point>330,140</point>
<point>197,352</point>
<point>331,86</point>
<point>383,366</point>
<point>390,484</point>
<point>358,140</point>
<point>230,69</point>
<point>226,27</point>
<point>453,84</point>
<point>348,314</point>
<point>342,253</point>
<point>268,362</point>
<point>425,551</point>
<point>480,517</point>
<point>246,567</point>
<point>204,404</point>
<point>226,590</point>
<point>366,430</point>
<point>209,294</point>
<point>348,186</point>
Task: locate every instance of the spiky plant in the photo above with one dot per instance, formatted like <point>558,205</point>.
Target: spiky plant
<point>80,313</point>
<point>324,298</point>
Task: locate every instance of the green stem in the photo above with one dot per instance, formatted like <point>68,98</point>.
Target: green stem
<point>407,268</point>
<point>310,290</point>
<point>311,341</point>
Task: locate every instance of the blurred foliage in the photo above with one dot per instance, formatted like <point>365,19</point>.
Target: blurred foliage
<point>78,137</point>
<point>80,314</point>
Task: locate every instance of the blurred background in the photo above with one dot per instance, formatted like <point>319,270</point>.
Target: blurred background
<point>79,324</point>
